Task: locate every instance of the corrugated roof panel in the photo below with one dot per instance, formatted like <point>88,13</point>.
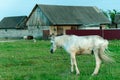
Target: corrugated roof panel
<point>74,14</point>
<point>12,22</point>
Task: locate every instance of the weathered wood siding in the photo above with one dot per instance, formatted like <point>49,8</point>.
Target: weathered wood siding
<point>37,23</point>
<point>37,31</point>
<point>38,18</point>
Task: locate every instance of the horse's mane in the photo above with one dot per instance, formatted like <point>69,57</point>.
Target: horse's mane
<point>61,39</point>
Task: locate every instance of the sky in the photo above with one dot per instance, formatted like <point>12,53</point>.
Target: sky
<point>24,7</point>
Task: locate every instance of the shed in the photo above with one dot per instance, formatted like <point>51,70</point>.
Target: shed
<point>13,27</point>
<point>117,20</point>
<point>15,22</point>
<point>58,18</point>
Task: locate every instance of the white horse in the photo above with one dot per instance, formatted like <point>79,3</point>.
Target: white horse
<point>82,45</point>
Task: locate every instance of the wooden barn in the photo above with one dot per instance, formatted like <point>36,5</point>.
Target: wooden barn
<point>13,27</point>
<point>56,19</point>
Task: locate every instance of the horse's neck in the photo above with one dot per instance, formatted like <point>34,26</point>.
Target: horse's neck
<point>61,41</point>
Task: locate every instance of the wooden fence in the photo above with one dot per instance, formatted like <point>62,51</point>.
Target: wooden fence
<point>107,34</point>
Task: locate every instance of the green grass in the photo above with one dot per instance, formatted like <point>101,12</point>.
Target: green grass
<point>26,60</point>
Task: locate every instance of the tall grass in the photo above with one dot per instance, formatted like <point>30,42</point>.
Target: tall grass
<point>26,60</point>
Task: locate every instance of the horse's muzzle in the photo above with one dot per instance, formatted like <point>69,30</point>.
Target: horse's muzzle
<point>51,51</point>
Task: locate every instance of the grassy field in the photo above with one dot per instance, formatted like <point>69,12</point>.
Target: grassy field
<point>26,60</point>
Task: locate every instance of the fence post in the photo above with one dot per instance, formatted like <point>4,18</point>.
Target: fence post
<point>102,31</point>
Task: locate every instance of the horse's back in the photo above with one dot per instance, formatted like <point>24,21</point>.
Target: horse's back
<point>82,40</point>
<point>88,41</point>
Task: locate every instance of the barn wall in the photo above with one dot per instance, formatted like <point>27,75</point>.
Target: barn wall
<point>37,23</point>
<point>38,18</point>
<point>37,31</point>
<point>13,33</point>
<point>55,29</point>
<point>66,28</point>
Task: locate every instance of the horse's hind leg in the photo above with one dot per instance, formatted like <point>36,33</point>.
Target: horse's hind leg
<point>98,62</point>
<point>72,65</point>
<point>73,62</point>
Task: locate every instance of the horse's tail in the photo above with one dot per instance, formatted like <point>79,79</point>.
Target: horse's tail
<point>103,52</point>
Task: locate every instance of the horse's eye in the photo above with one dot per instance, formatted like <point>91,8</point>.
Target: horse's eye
<point>51,43</point>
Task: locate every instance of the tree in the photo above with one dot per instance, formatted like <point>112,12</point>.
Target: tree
<point>112,14</point>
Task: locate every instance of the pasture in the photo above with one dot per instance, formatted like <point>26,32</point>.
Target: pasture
<point>26,60</point>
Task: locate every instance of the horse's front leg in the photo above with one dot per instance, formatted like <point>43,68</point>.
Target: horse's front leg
<point>72,65</point>
<point>98,62</point>
<point>73,62</point>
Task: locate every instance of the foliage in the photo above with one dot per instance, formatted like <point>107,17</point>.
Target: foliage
<point>111,14</point>
<point>26,60</point>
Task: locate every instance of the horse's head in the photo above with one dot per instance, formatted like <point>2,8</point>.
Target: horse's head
<point>56,42</point>
<point>53,46</point>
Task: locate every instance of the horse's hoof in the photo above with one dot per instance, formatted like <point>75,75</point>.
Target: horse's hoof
<point>71,71</point>
<point>94,74</point>
<point>77,73</point>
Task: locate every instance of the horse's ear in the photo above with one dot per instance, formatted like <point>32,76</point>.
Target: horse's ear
<point>52,36</point>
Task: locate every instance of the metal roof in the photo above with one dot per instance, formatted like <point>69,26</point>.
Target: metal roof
<point>72,15</point>
<point>15,22</point>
